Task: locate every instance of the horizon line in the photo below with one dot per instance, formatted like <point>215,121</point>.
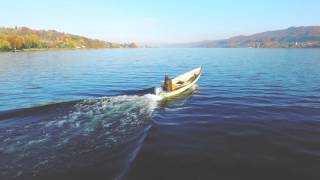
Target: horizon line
<point>145,43</point>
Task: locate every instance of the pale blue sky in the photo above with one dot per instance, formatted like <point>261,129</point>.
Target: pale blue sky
<point>159,21</point>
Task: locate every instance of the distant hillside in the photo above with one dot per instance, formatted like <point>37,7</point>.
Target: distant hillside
<point>25,38</point>
<point>293,37</point>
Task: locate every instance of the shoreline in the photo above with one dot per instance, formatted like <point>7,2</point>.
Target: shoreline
<point>79,49</point>
<point>55,49</point>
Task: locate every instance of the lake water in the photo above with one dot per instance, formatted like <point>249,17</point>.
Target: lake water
<point>90,114</point>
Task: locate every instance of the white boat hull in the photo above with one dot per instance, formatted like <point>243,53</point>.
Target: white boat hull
<point>197,72</point>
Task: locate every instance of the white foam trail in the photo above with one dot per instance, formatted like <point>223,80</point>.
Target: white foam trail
<point>99,123</point>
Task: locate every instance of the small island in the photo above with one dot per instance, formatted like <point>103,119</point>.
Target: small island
<point>24,39</point>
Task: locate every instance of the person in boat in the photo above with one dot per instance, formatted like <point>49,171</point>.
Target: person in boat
<point>167,83</point>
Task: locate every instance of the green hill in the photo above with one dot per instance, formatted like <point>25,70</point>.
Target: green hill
<point>24,38</point>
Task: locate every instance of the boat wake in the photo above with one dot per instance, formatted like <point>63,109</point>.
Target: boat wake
<point>50,140</point>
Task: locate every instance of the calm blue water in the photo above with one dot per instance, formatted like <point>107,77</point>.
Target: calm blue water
<point>91,115</point>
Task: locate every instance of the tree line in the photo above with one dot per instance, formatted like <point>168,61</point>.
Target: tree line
<point>25,38</point>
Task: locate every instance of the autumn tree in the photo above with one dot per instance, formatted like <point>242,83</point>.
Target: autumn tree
<point>16,41</point>
<point>31,41</point>
<point>4,45</point>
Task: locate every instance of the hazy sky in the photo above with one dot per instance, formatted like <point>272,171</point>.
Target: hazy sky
<point>159,21</point>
